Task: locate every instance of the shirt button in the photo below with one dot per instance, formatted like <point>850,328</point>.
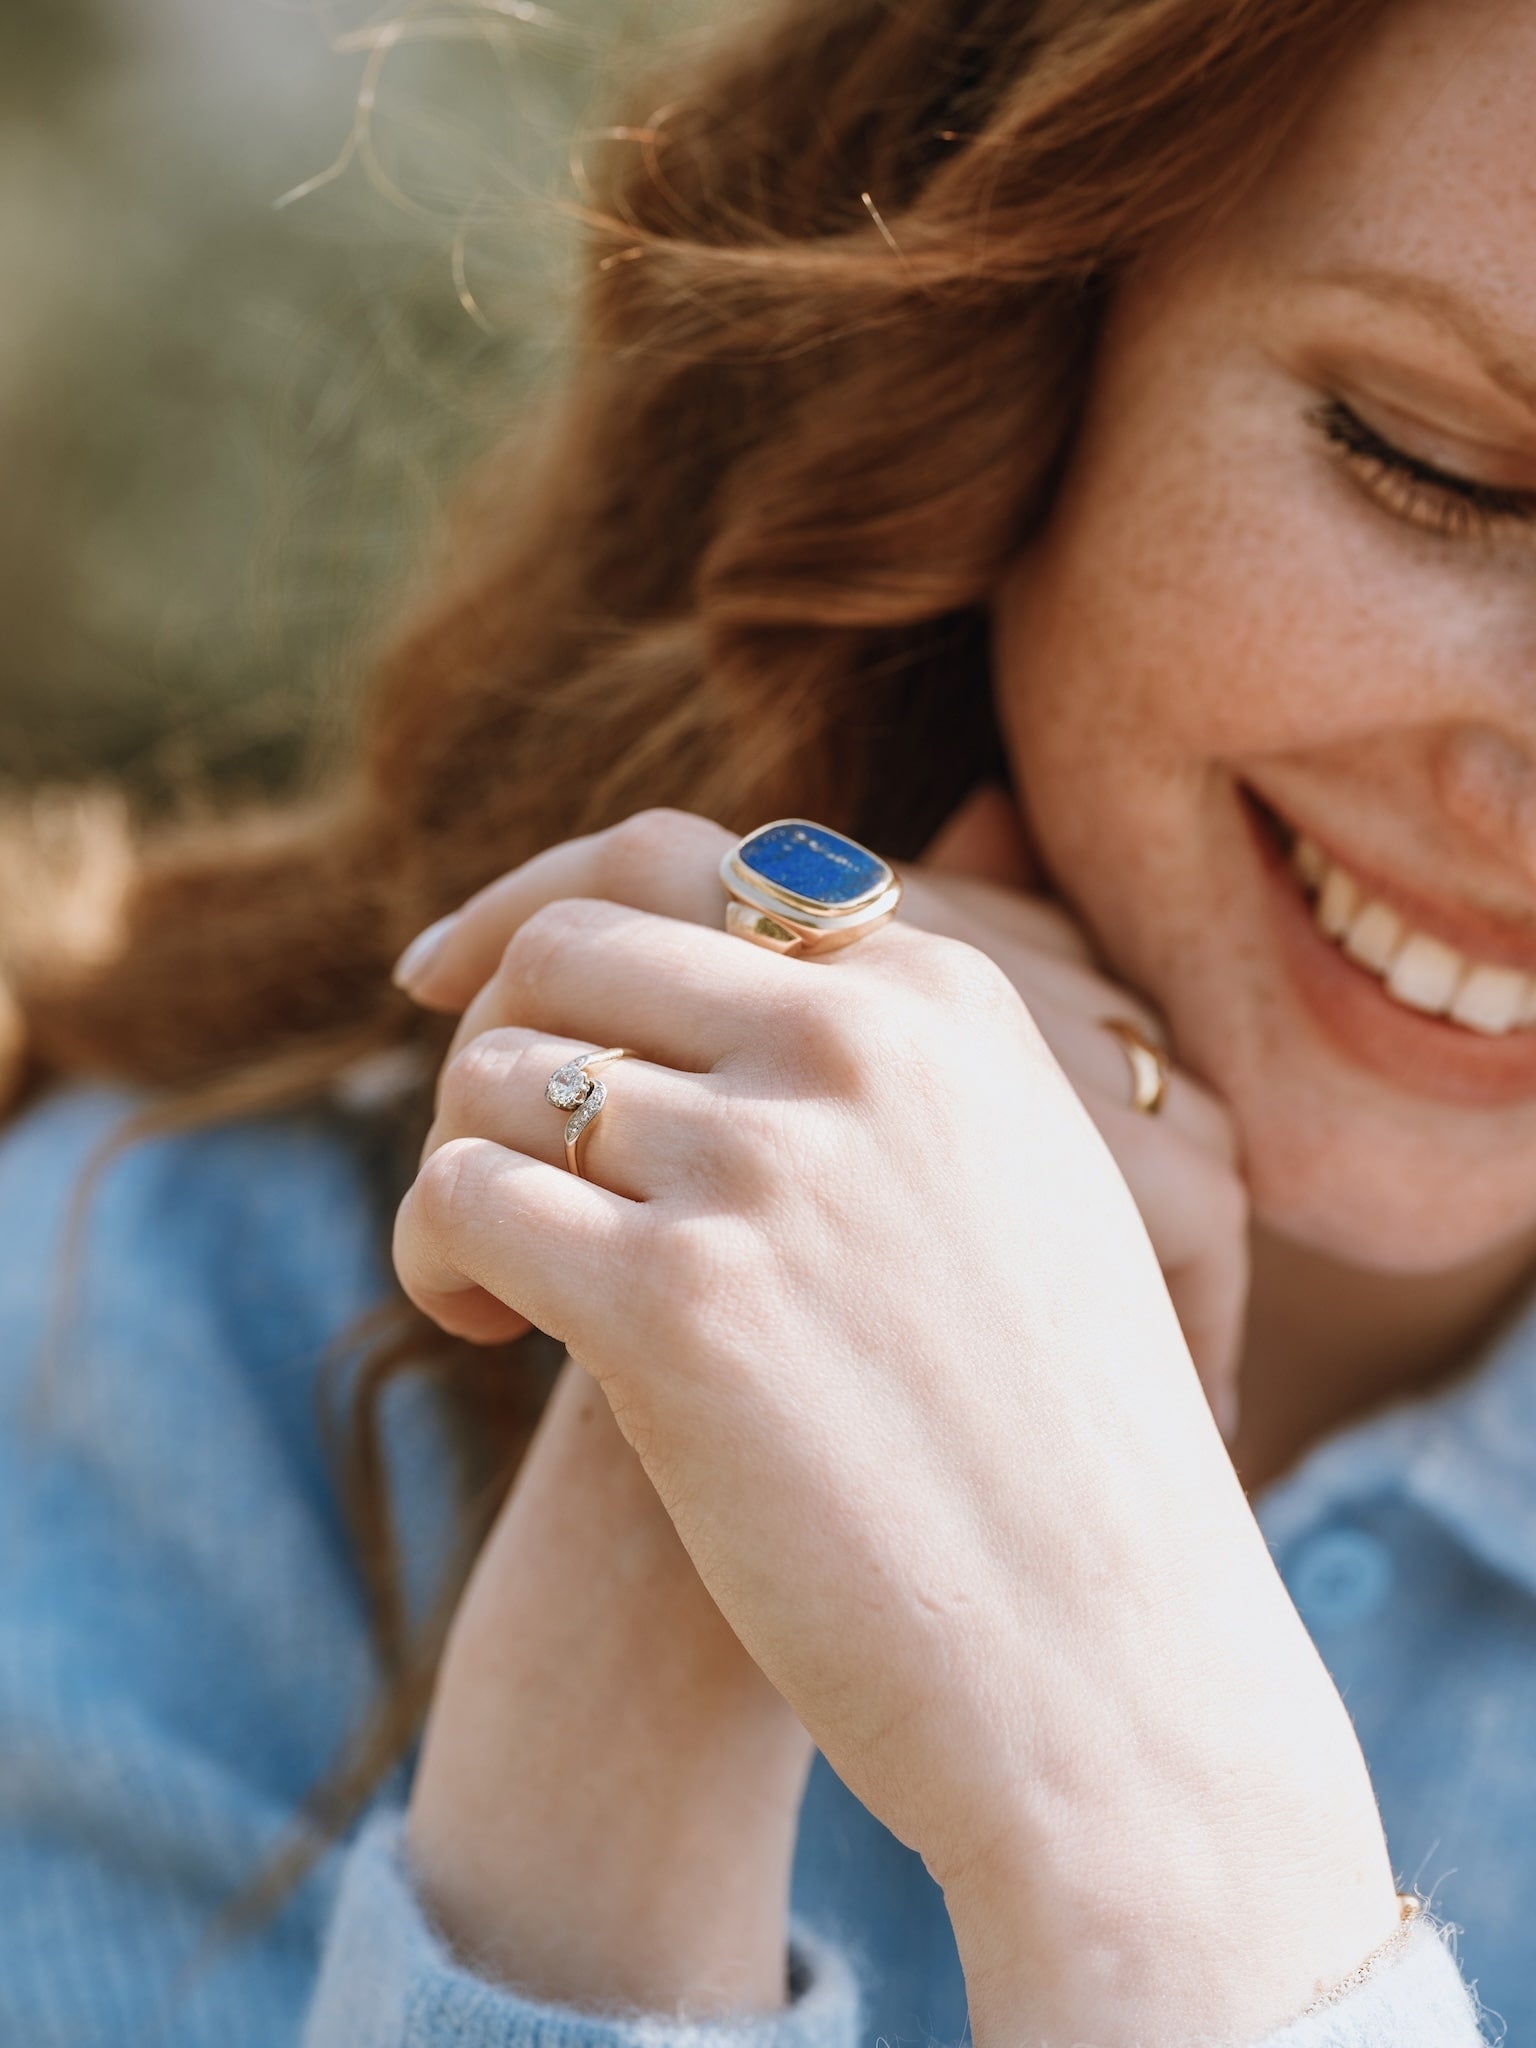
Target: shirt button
<point>1340,1576</point>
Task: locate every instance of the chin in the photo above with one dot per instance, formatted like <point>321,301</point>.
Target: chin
<point>1376,1199</point>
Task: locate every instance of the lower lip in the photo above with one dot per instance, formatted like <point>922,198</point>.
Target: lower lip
<point>1423,1054</point>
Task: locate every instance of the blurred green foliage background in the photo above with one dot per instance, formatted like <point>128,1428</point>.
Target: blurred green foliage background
<point>229,417</point>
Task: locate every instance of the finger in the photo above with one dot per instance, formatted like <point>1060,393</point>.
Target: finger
<point>1069,1002</point>
<point>1094,1058</point>
<point>674,993</point>
<point>483,1231</point>
<point>662,861</point>
<point>984,839</point>
<point>1210,1299</point>
<point>649,1136</point>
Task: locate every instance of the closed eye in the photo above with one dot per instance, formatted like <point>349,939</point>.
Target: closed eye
<point>1416,491</point>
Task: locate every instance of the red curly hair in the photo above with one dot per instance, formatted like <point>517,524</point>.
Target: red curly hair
<point>838,316</point>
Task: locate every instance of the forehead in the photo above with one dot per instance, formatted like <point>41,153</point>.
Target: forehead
<point>1419,158</point>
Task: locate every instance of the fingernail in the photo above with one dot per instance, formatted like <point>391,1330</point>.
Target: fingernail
<point>415,963</point>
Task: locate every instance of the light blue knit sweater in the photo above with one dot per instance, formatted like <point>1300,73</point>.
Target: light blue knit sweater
<point>183,1648</point>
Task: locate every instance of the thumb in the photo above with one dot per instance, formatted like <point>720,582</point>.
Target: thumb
<point>984,840</point>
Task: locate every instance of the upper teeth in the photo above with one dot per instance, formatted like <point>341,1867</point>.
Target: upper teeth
<point>1415,968</point>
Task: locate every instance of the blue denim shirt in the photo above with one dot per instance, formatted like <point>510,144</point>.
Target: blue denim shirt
<point>183,1649</point>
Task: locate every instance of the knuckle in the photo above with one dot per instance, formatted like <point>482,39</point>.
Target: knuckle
<point>478,1066</point>
<point>761,1150</point>
<point>956,976</point>
<point>826,1028</point>
<point>957,986</point>
<point>687,1261</point>
<point>653,841</point>
<point>971,983</point>
<point>709,1262</point>
<point>545,937</point>
<point>439,1192</point>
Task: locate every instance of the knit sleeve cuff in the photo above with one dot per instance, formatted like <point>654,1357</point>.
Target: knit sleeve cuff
<point>1417,1999</point>
<point>388,1980</point>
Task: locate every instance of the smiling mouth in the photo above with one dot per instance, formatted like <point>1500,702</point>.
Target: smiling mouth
<point>1414,968</point>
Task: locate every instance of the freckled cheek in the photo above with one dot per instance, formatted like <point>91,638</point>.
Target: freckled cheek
<point>1165,629</point>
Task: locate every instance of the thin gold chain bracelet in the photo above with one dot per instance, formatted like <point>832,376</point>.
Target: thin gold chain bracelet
<point>1409,1907</point>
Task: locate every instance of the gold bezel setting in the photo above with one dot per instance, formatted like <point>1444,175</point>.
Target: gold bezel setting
<point>772,913</point>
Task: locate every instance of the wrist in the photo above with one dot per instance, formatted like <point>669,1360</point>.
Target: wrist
<point>1170,1832</point>
<point>1160,1928</point>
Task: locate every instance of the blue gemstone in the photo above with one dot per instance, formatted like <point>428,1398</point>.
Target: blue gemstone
<point>811,862</point>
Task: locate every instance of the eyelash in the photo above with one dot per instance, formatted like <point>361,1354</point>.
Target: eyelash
<point>1414,490</point>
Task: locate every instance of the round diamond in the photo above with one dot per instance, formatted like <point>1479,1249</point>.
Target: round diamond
<point>567,1086</point>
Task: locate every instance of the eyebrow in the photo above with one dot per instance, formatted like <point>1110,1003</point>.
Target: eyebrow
<point>1493,345</point>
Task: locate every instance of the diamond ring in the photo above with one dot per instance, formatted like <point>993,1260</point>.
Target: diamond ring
<point>572,1087</point>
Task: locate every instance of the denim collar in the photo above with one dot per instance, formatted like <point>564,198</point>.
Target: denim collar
<point>1464,1453</point>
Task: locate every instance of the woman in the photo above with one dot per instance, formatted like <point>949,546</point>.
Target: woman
<point>1074,394</point>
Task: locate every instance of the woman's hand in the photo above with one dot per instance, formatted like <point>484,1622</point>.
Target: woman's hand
<point>976,883</point>
<point>866,1293</point>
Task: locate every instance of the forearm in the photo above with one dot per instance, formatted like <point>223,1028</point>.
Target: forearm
<point>608,1793</point>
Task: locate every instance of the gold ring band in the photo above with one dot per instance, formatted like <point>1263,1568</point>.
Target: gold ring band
<point>573,1087</point>
<point>1149,1064</point>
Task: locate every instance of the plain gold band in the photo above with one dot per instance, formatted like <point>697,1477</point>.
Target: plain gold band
<point>1149,1064</point>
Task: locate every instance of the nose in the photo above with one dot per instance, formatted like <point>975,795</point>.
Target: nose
<point>1486,784</point>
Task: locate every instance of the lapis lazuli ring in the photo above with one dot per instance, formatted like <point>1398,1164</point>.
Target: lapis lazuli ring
<point>796,887</point>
